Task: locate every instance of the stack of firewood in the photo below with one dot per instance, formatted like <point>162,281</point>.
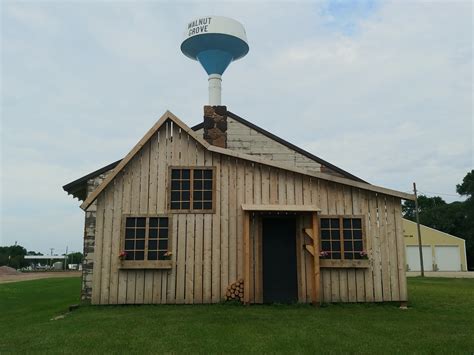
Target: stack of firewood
<point>235,291</point>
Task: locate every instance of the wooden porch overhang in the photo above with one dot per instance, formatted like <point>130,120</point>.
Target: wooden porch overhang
<point>312,232</point>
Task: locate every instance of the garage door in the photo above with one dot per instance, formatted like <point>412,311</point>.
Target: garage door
<point>448,258</point>
<point>413,258</point>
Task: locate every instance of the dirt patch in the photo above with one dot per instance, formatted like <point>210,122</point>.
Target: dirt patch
<point>25,276</point>
<point>6,270</point>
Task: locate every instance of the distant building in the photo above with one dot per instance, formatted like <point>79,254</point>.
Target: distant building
<point>441,251</point>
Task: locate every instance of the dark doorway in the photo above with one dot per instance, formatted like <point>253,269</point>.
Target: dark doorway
<point>279,260</point>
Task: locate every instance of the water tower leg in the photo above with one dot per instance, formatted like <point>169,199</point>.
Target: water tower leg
<point>215,81</point>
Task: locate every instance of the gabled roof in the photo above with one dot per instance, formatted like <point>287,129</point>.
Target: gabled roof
<point>169,116</point>
<point>78,188</point>
<point>288,145</point>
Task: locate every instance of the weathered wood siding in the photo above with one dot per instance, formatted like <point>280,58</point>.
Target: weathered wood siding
<point>208,248</point>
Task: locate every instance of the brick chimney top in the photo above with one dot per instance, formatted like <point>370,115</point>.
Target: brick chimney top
<point>215,125</point>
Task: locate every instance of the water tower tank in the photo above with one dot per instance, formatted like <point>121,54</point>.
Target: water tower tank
<point>215,41</point>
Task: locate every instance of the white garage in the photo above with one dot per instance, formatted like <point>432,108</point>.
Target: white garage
<point>413,258</point>
<point>447,258</point>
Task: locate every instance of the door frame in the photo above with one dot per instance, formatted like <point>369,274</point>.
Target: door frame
<point>313,248</point>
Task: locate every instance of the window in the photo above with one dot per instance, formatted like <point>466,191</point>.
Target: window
<point>146,239</point>
<point>342,237</point>
<point>192,189</point>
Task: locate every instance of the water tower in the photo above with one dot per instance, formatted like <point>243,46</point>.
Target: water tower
<point>215,42</point>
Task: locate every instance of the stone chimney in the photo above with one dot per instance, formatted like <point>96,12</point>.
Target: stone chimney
<point>215,125</point>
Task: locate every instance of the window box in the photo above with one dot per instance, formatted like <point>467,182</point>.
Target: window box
<point>358,264</point>
<point>156,264</point>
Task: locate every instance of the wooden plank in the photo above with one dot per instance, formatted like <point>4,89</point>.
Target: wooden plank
<point>207,245</point>
<point>116,234</point>
<point>316,270</point>
<point>233,207</point>
<point>274,187</point>
<point>300,260</point>
<point>344,264</point>
<point>290,188</point>
<point>384,252</point>
<point>309,248</point>
<point>265,171</point>
<point>106,246</point>
<point>359,274</point>
<point>259,261</point>
<point>167,151</point>
<point>246,235</point>
<point>375,241</point>
<point>190,233</point>
<point>224,222</point>
<point>198,257</point>
<point>253,193</point>
<point>126,206</point>
<point>216,237</point>
<point>281,187</point>
<point>99,231</point>
<point>368,273</point>
<point>240,171</point>
<point>343,286</point>
<point>400,240</point>
<point>392,247</point>
<point>309,270</point>
<point>147,293</point>
<point>351,273</point>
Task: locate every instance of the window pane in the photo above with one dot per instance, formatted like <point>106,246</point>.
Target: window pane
<point>325,234</point>
<point>336,246</point>
<point>347,246</point>
<point>152,255</point>
<point>129,244</point>
<point>356,223</point>
<point>174,205</point>
<point>197,195</point>
<point>346,222</point>
<point>334,222</point>
<point>185,206</point>
<point>185,196</point>
<point>185,174</point>
<point>153,233</point>
<point>185,185</point>
<point>197,184</point>
<point>175,185</point>
<point>208,195</point>
<point>198,174</point>
<point>197,205</point>
<point>208,174</point>
<point>357,234</point>
<point>335,255</point>
<point>152,244</point>
<point>335,234</point>
<point>129,233</point>
<point>163,244</point>
<point>326,246</point>
<point>208,184</point>
<point>324,222</point>
<point>140,244</point>
<point>358,246</point>
<point>207,206</point>
<point>130,222</point>
<point>163,232</point>
<point>153,222</point>
<point>141,222</point>
<point>140,233</point>
<point>130,255</point>
<point>139,255</point>
<point>161,255</point>
<point>174,195</point>
<point>175,174</point>
<point>347,234</point>
<point>164,222</point>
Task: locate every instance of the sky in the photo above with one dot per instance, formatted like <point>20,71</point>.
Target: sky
<point>381,89</point>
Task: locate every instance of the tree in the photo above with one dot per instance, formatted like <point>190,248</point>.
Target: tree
<point>467,186</point>
<point>13,256</point>
<point>74,258</point>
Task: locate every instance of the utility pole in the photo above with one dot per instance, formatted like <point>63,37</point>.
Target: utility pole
<point>419,231</point>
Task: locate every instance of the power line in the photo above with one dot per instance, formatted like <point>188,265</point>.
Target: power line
<point>437,193</point>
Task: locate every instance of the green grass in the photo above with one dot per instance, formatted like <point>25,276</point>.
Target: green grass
<point>440,320</point>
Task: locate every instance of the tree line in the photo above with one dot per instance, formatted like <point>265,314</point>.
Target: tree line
<point>456,218</point>
<point>14,256</point>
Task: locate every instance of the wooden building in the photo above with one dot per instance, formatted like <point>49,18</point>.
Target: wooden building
<point>190,211</point>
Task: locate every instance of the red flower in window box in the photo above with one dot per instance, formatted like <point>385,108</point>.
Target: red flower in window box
<point>168,255</point>
<point>363,254</point>
<point>123,255</point>
<point>324,255</point>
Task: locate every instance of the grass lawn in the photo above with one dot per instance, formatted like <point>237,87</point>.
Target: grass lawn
<point>440,320</point>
